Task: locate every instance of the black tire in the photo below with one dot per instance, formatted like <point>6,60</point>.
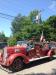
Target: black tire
<point>17,65</point>
<point>51,58</point>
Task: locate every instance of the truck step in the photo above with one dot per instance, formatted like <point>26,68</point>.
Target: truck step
<point>34,59</point>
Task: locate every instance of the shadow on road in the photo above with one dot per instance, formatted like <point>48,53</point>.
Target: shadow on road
<point>53,73</point>
<point>38,62</point>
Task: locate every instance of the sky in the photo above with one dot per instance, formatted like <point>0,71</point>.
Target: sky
<point>14,7</point>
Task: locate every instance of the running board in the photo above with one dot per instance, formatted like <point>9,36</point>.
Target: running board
<point>34,59</point>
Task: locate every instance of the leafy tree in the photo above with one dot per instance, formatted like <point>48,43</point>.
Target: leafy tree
<point>51,21</point>
<point>23,27</point>
<point>11,41</point>
<point>49,27</point>
<point>3,38</point>
<point>19,22</point>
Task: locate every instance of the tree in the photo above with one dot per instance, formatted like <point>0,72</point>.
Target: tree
<point>23,27</point>
<point>19,23</point>
<point>52,21</point>
<point>49,27</point>
<point>11,41</point>
<point>3,38</point>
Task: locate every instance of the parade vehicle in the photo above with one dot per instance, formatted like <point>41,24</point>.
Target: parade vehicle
<point>14,57</point>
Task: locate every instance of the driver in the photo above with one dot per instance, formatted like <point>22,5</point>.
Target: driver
<point>30,45</point>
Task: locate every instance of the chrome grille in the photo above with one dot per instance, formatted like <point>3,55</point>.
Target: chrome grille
<point>4,54</point>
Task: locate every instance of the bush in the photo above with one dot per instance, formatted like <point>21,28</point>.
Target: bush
<point>11,41</point>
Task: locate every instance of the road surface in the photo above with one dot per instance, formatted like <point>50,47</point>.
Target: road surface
<point>40,67</point>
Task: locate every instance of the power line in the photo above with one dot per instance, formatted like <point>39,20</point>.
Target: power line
<point>10,17</point>
<point>6,16</point>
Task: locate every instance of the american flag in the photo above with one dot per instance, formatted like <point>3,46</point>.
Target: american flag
<point>42,39</point>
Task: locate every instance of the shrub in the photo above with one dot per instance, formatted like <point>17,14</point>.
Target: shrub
<point>11,41</point>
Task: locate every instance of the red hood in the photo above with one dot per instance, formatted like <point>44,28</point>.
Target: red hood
<point>10,49</point>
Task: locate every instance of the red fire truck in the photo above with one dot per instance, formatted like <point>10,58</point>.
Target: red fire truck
<point>24,52</point>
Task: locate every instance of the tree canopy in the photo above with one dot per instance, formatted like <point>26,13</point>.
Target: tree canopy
<point>23,27</point>
<point>3,38</point>
<point>52,21</point>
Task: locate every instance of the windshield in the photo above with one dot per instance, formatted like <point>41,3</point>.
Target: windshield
<point>21,42</point>
<point>24,43</point>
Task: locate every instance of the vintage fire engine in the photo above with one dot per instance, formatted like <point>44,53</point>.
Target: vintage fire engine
<point>15,57</point>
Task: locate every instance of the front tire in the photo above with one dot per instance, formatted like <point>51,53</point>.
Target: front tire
<point>17,65</point>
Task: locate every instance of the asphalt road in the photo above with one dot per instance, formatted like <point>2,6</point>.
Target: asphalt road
<point>39,67</point>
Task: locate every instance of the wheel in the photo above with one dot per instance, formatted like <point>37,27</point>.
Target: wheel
<point>17,65</point>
